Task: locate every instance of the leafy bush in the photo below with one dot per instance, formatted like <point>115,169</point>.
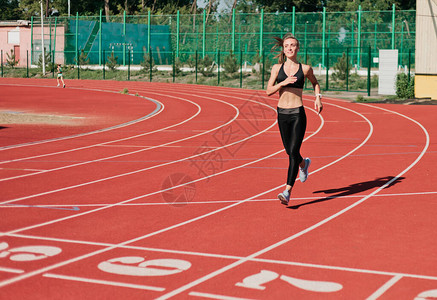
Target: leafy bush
<point>148,63</point>
<point>404,88</point>
<point>112,61</point>
<point>10,60</point>
<point>341,68</point>
<point>206,66</point>
<point>231,65</point>
<point>177,67</point>
<point>83,58</point>
<point>47,60</point>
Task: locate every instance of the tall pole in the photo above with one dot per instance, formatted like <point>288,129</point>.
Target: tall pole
<point>148,30</point>
<point>100,38</point>
<point>233,31</point>
<point>31,39</point>
<point>393,26</point>
<point>124,38</point>
<point>204,34</point>
<point>261,33</point>
<point>324,37</point>
<point>359,38</point>
<point>177,33</point>
<point>42,41</point>
<point>77,39</point>
<point>54,42</point>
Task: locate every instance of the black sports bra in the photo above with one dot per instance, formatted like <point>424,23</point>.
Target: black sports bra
<point>299,74</point>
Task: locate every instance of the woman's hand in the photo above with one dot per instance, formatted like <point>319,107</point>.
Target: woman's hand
<point>288,80</point>
<point>318,106</point>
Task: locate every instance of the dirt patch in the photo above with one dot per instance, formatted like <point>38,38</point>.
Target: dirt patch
<point>18,117</point>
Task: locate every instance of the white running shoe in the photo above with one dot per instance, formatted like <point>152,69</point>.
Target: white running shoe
<point>303,172</point>
<point>284,197</point>
<point>58,84</point>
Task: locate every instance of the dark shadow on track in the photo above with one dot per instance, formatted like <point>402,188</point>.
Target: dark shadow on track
<point>3,127</point>
<point>352,189</point>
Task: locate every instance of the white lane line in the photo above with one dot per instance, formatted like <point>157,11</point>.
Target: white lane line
<point>105,282</point>
<point>309,229</point>
<point>11,270</point>
<point>384,288</point>
<point>27,170</point>
<point>215,201</point>
<point>216,296</point>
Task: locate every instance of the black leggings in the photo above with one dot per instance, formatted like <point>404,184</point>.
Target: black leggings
<point>292,125</point>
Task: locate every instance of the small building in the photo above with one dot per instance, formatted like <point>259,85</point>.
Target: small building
<point>16,36</point>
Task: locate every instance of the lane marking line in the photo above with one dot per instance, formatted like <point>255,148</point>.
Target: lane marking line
<point>384,288</point>
<point>105,282</point>
<point>216,296</point>
<point>212,202</point>
<point>11,270</point>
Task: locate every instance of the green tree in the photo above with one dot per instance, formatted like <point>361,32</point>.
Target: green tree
<point>9,10</point>
<point>341,67</point>
<point>11,59</point>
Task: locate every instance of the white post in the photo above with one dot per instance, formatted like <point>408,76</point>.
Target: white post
<point>42,42</point>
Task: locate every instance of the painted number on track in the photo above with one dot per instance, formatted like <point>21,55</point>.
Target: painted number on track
<point>257,281</point>
<point>138,266</point>
<point>28,253</point>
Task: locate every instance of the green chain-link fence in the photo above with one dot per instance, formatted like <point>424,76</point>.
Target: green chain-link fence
<point>229,49</point>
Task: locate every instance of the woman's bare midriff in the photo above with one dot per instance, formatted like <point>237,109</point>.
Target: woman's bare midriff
<point>290,97</point>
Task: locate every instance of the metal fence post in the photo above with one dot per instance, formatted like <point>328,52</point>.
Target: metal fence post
<point>104,64</point>
<point>174,66</point>
<point>368,72</point>
<point>27,63</point>
<point>324,36</point>
<point>241,68</point>
<point>128,64</point>
<point>359,38</point>
<point>31,39</point>
<point>261,26</point>
<point>218,67</point>
<point>204,34</point>
<point>327,69</point>
<point>393,26</point>
<point>263,68</point>
<point>347,69</point>
<point>196,66</point>
<point>77,38</point>
<point>100,38</point>
<point>177,33</point>
<point>233,31</point>
<point>150,64</point>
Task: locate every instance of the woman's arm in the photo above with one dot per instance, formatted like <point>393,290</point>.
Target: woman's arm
<point>318,102</point>
<point>271,87</point>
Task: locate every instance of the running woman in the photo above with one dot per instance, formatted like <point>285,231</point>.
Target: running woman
<point>60,76</point>
<point>288,79</point>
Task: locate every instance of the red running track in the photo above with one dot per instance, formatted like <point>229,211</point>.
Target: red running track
<point>170,193</point>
